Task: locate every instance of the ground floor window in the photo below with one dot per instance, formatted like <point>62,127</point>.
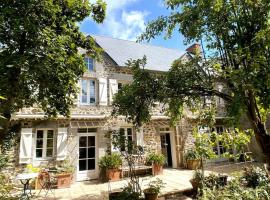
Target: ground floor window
<point>125,137</point>
<point>44,143</point>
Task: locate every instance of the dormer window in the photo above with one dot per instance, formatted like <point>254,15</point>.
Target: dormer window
<point>89,63</point>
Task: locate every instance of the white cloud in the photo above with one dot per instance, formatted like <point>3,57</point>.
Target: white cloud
<point>123,24</point>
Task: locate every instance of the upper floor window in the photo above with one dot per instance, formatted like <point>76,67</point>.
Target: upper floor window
<point>44,143</point>
<point>89,63</point>
<point>88,91</point>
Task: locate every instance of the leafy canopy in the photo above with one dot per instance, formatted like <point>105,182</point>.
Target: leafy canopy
<point>39,56</point>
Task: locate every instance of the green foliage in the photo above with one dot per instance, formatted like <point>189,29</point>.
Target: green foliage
<point>134,100</point>
<point>254,177</point>
<point>154,186</point>
<point>112,161</point>
<point>6,188</point>
<point>236,34</point>
<point>31,169</point>
<point>235,191</point>
<point>204,145</point>
<point>127,194</point>
<point>155,158</point>
<point>191,154</point>
<point>3,161</point>
<point>66,167</point>
<point>40,64</point>
<point>213,180</point>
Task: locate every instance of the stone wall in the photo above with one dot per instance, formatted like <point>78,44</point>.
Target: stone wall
<point>151,139</point>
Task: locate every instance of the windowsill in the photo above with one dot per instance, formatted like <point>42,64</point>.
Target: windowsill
<point>43,159</point>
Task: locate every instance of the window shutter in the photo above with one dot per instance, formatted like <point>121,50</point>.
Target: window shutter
<point>140,141</point>
<point>26,145</point>
<point>113,87</point>
<point>62,143</point>
<point>103,91</point>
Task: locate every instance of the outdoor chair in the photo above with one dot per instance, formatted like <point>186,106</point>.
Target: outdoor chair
<point>47,183</point>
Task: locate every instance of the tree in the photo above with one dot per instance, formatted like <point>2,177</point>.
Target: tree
<point>237,35</point>
<point>40,64</point>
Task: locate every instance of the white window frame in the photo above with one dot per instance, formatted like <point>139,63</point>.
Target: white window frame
<point>114,149</point>
<point>44,145</point>
<point>87,63</point>
<point>88,91</point>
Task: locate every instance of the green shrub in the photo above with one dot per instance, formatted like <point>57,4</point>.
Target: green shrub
<point>235,191</point>
<point>127,194</point>
<point>154,187</point>
<point>110,161</point>
<point>191,154</point>
<point>5,188</point>
<point>214,180</point>
<point>254,177</point>
<point>3,161</point>
<point>155,158</point>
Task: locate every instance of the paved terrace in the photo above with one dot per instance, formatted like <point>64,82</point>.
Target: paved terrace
<point>176,180</point>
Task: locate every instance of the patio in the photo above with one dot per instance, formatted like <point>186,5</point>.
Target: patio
<point>176,180</point>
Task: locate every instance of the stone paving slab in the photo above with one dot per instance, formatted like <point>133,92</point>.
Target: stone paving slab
<point>176,180</point>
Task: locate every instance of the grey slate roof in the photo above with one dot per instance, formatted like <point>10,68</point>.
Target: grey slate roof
<point>158,58</point>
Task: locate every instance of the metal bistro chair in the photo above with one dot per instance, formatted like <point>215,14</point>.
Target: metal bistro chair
<point>47,183</point>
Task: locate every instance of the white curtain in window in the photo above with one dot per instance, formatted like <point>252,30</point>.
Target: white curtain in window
<point>62,144</point>
<point>113,87</point>
<point>102,91</point>
<point>26,145</point>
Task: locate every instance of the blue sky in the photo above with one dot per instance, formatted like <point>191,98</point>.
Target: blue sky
<point>126,19</point>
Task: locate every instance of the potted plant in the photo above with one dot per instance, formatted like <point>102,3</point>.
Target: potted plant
<point>153,189</point>
<point>157,160</point>
<point>110,164</point>
<point>196,180</point>
<point>192,159</point>
<point>64,174</point>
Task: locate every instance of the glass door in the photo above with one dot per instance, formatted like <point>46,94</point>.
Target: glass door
<point>87,163</point>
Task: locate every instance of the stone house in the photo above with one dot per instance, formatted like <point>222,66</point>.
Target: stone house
<point>83,138</point>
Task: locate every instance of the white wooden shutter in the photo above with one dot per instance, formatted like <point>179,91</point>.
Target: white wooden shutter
<point>26,145</point>
<point>113,87</point>
<point>139,134</point>
<point>102,91</point>
<point>62,144</point>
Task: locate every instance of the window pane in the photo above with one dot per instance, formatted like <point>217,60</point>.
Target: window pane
<point>84,91</point>
<point>82,165</point>
<point>129,132</point>
<point>91,152</point>
<point>83,142</point>
<point>49,143</point>
<point>91,141</point>
<point>122,131</point>
<point>50,134</point>
<point>82,130</point>
<point>82,153</point>
<point>39,153</point>
<point>92,91</point>
<point>39,143</point>
<point>91,164</point>
<point>120,86</point>
<point>40,134</point>
<point>49,152</point>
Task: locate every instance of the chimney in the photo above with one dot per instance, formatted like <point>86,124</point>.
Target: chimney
<point>194,49</point>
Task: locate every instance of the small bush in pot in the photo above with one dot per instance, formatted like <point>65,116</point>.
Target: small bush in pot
<point>157,160</point>
<point>153,189</point>
<point>196,180</point>
<point>65,174</point>
<point>111,163</point>
<point>192,159</point>
<point>254,177</point>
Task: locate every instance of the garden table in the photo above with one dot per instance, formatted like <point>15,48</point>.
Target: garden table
<point>25,179</point>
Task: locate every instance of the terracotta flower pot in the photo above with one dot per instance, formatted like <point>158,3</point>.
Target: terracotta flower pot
<point>64,180</point>
<point>150,196</point>
<point>157,169</point>
<point>113,174</point>
<point>195,184</point>
<point>193,164</point>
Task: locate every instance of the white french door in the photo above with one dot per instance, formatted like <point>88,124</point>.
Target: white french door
<point>87,159</point>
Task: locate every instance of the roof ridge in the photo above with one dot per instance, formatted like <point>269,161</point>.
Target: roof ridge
<point>147,44</point>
